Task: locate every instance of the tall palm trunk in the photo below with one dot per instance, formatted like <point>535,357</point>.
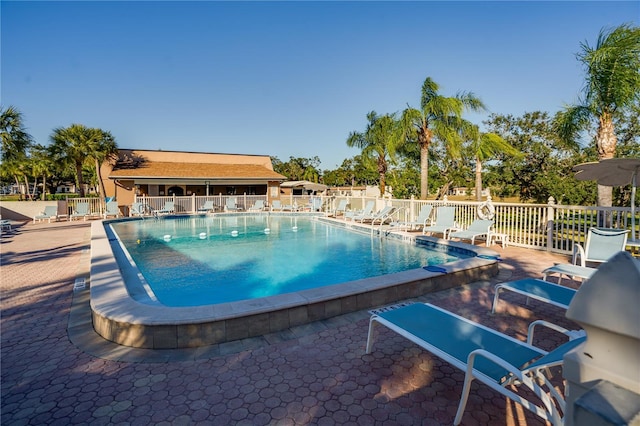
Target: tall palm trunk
<point>606,142</point>
<point>424,171</point>
<point>478,179</point>
<point>103,191</point>
<point>79,179</point>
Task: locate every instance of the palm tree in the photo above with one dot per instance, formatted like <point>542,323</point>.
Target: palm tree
<point>103,149</point>
<point>438,118</point>
<point>72,146</point>
<point>484,146</point>
<point>15,144</point>
<point>379,141</point>
<point>612,85</point>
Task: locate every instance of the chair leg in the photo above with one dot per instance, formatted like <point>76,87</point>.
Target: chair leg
<point>370,337</point>
<point>468,378</point>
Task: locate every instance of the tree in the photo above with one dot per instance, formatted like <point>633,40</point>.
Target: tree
<point>104,149</point>
<point>484,146</point>
<point>77,144</point>
<point>15,145</point>
<point>612,85</point>
<point>378,142</point>
<point>438,118</point>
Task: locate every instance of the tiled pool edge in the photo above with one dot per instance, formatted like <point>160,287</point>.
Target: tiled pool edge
<point>120,319</point>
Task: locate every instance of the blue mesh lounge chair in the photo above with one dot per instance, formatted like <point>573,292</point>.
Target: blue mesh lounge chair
<point>478,228</point>
<point>341,208</point>
<point>492,358</point>
<point>445,222</point>
<point>276,205</point>
<point>207,207</point>
<point>543,291</point>
<point>50,212</point>
<point>600,246</point>
<point>571,271</point>
<point>423,219</point>
<point>169,207</point>
<point>81,210</point>
<point>356,215</point>
<point>258,206</point>
<point>111,210</point>
<point>231,205</point>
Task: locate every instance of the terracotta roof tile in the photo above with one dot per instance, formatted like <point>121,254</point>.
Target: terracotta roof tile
<point>196,171</point>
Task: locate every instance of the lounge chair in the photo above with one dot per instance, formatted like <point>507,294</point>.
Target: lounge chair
<point>493,358</point>
<point>478,228</point>
<point>112,209</point>
<point>81,210</point>
<point>383,215</point>
<point>341,208</point>
<point>4,223</point>
<point>258,206</point>
<point>276,205</point>
<point>571,271</point>
<point>50,212</point>
<point>315,204</point>
<point>168,208</point>
<point>445,222</point>
<point>543,291</point>
<point>601,244</point>
<point>424,218</point>
<point>231,205</point>
<point>207,207</point>
<point>139,209</point>
<point>366,211</point>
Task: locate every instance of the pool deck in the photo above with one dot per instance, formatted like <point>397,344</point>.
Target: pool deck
<point>56,370</point>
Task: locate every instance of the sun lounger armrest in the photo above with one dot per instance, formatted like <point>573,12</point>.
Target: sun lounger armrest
<point>571,334</point>
<point>578,252</point>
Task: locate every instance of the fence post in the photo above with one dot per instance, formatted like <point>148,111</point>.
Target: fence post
<point>551,202</point>
<point>193,202</point>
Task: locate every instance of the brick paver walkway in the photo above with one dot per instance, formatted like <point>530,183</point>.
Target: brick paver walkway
<point>315,375</point>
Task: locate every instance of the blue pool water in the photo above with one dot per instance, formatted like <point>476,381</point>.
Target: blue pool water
<point>192,261</point>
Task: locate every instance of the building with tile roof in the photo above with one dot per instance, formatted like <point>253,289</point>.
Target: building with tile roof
<point>166,173</point>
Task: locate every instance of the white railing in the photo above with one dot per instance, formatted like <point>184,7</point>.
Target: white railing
<point>548,226</point>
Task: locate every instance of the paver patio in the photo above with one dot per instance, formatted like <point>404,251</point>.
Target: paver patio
<point>56,371</point>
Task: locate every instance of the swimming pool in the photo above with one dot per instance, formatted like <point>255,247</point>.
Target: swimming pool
<point>120,313</point>
<point>202,260</point>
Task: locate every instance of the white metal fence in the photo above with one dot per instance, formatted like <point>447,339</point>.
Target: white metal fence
<point>548,226</point>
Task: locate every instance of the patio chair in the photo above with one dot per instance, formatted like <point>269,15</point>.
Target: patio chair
<point>571,271</point>
<point>341,208</point>
<point>424,218</point>
<point>601,244</point>
<point>543,291</point>
<point>169,207</point>
<point>445,222</point>
<point>112,209</point>
<point>315,204</point>
<point>489,356</point>
<point>478,228</point>
<point>81,210</point>
<point>366,211</point>
<point>258,206</point>
<point>231,205</point>
<point>139,209</point>
<point>4,223</point>
<point>50,212</point>
<point>276,205</point>
<point>207,207</point>
<point>383,215</point>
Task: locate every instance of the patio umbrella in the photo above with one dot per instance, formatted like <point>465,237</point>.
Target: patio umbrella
<point>614,172</point>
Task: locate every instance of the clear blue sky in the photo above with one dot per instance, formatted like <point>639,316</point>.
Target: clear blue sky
<point>283,78</point>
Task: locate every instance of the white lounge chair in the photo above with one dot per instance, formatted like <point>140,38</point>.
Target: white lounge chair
<point>207,207</point>
<point>50,212</point>
<point>383,215</point>
<point>258,206</point>
<point>81,210</point>
<point>231,205</point>
<point>276,205</point>
<point>341,208</point>
<point>168,208</point>
<point>423,219</point>
<point>139,209</point>
<point>493,358</point>
<point>601,245</point>
<point>365,212</point>
<point>112,209</point>
<point>445,222</point>
<point>4,223</point>
<point>478,228</point>
<point>543,291</point>
<point>569,270</point>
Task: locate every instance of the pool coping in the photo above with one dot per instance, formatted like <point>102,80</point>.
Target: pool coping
<point>121,319</point>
